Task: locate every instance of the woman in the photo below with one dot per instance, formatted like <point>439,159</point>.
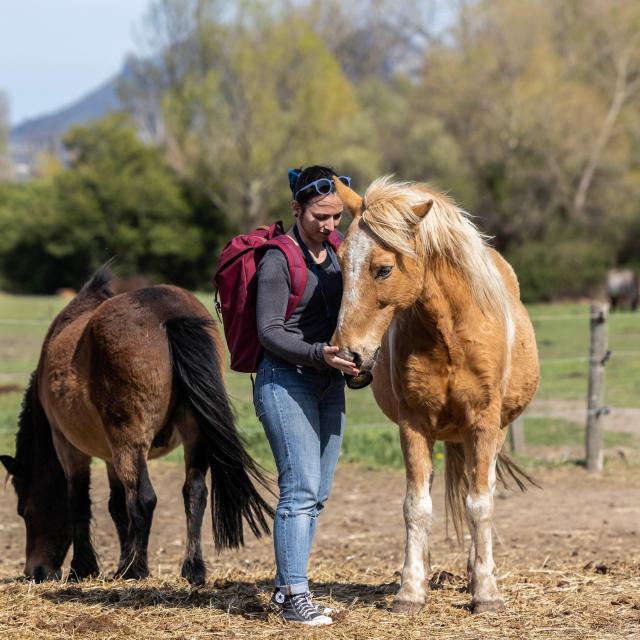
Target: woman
<point>299,390</point>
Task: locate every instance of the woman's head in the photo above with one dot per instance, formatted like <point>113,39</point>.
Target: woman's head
<point>315,202</point>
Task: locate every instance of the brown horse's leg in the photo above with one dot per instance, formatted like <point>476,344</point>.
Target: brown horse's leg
<point>417,450</point>
<point>77,470</point>
<point>118,508</point>
<point>194,493</point>
<point>130,465</point>
<point>481,447</point>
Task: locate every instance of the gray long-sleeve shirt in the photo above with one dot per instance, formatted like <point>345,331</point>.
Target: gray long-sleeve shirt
<point>300,338</point>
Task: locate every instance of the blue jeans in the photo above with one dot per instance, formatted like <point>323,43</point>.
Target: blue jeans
<point>302,412</point>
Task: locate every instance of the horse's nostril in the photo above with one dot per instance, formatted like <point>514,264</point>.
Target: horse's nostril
<point>345,354</point>
<point>357,359</point>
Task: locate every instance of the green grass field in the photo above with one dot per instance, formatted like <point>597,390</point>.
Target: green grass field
<point>562,332</point>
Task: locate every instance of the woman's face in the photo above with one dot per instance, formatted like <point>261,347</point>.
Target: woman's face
<point>320,216</point>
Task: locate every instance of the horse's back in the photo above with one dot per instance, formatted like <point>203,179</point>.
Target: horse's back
<point>114,373</point>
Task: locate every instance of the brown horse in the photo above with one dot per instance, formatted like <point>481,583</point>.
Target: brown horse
<point>435,315</point>
<point>127,378</point>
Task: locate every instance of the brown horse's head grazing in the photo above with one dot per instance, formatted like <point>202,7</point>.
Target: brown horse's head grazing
<point>41,488</point>
<point>382,270</point>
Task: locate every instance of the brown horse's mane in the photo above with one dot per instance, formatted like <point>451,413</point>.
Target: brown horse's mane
<point>92,294</point>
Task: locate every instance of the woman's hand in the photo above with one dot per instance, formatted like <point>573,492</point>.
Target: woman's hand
<point>333,360</point>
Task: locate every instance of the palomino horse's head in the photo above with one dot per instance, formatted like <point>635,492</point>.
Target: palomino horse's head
<point>41,487</point>
<point>381,274</point>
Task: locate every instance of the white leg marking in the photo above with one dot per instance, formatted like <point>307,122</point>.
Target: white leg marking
<point>417,516</point>
<point>480,511</point>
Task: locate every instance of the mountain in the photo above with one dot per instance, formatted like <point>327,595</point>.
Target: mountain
<point>44,133</point>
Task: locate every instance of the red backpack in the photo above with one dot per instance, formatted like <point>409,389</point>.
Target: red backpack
<point>236,288</point>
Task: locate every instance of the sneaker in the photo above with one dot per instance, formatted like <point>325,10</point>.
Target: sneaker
<point>300,609</point>
<point>278,598</point>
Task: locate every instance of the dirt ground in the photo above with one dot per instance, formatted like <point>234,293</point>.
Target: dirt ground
<point>568,561</point>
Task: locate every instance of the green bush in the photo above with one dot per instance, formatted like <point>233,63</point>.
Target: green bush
<point>549,269</point>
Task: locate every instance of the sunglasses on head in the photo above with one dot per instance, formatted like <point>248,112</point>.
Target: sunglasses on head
<point>324,186</point>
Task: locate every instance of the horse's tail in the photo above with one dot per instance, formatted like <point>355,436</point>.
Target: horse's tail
<point>456,486</point>
<point>457,482</point>
<point>196,367</point>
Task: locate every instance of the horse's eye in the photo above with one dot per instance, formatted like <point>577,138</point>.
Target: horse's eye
<point>383,272</point>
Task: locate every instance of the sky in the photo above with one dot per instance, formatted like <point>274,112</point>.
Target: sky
<point>53,52</point>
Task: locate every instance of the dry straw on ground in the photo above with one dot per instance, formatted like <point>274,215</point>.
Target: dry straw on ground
<point>555,603</point>
<point>568,564</point>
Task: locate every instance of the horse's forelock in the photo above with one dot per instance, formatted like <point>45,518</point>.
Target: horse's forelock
<point>388,213</point>
<point>446,230</point>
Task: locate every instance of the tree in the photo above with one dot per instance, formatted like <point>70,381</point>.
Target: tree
<point>606,54</point>
<point>246,96</point>
<point>116,198</point>
<point>119,198</point>
<point>510,87</point>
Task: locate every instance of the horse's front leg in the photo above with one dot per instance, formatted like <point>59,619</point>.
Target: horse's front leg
<point>194,493</point>
<point>417,450</point>
<point>481,448</point>
<point>77,470</point>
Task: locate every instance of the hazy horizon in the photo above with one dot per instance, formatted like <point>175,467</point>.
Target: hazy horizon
<point>54,52</point>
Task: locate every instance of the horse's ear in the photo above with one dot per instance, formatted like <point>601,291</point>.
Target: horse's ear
<point>352,201</point>
<point>421,210</point>
<point>10,465</point>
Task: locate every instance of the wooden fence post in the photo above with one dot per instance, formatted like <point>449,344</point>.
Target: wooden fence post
<point>516,435</point>
<point>598,355</point>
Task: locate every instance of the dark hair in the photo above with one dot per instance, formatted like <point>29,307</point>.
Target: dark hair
<point>299,178</point>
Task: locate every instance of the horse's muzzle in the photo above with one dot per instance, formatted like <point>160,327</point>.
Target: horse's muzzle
<point>40,573</point>
<point>365,377</point>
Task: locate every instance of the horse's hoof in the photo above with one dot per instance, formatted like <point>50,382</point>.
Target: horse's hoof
<point>77,575</point>
<point>195,572</point>
<point>83,570</point>
<point>404,606</point>
<point>489,605</point>
<point>131,573</point>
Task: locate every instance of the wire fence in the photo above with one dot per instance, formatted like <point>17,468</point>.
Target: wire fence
<point>537,410</point>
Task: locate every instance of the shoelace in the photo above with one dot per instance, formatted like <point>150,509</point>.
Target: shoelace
<point>303,605</point>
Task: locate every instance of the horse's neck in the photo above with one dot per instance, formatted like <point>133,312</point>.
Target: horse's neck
<point>445,303</point>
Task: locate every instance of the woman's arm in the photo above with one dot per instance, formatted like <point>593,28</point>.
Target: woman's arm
<point>274,286</point>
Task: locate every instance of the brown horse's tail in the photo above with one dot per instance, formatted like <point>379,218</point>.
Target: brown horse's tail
<point>233,471</point>
<point>457,482</point>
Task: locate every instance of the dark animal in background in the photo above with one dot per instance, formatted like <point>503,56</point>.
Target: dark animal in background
<point>623,288</point>
<point>127,378</point>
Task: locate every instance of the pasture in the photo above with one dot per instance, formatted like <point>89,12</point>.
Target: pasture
<point>568,556</point>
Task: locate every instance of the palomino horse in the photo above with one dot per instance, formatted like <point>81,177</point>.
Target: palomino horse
<point>435,315</point>
<point>128,378</point>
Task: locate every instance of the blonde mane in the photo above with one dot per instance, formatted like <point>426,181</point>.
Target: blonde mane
<point>445,231</point>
